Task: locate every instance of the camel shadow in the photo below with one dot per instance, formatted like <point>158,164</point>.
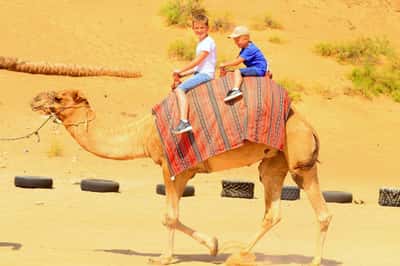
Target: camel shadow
<point>292,258</point>
<point>14,246</point>
<point>221,258</point>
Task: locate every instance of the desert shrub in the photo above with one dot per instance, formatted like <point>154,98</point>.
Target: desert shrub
<point>360,51</point>
<point>222,23</point>
<point>182,49</point>
<point>180,12</point>
<point>275,39</point>
<point>293,88</point>
<point>56,149</point>
<point>267,22</point>
<point>371,80</point>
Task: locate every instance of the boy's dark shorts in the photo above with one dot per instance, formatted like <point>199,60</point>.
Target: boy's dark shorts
<point>252,71</point>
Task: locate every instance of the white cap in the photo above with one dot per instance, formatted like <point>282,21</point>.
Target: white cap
<point>239,31</point>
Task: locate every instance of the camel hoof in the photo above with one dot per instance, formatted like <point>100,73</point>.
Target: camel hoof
<point>162,260</point>
<point>214,245</point>
<point>242,258</point>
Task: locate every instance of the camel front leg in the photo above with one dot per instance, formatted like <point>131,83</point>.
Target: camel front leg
<point>174,190</point>
<point>272,174</point>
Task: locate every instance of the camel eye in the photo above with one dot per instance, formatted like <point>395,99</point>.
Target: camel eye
<point>57,99</point>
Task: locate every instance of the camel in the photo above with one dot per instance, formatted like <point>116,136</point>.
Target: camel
<point>140,139</point>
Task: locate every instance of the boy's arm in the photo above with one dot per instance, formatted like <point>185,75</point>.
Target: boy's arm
<point>188,69</point>
<point>235,62</point>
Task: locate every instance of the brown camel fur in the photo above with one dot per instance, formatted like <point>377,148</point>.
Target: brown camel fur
<point>140,139</point>
<point>44,68</point>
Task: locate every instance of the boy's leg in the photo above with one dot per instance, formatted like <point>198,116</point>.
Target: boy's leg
<point>182,104</point>
<point>239,74</point>
<point>235,91</point>
<point>238,79</point>
<point>184,125</point>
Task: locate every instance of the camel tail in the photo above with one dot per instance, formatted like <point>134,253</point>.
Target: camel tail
<point>44,68</point>
<point>309,163</point>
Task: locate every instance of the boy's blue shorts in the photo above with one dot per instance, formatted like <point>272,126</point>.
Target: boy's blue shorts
<point>252,71</point>
<point>194,81</point>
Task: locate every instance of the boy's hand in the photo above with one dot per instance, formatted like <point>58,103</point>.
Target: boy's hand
<point>175,83</point>
<point>176,79</point>
<point>176,74</point>
<point>222,70</point>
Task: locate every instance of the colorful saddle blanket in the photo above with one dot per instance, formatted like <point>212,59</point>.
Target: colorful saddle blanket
<point>259,116</point>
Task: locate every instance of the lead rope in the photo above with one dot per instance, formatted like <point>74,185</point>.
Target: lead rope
<point>35,132</point>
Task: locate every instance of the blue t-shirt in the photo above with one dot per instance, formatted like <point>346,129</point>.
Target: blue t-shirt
<point>253,57</point>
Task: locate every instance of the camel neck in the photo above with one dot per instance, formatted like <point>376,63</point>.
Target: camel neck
<point>117,142</point>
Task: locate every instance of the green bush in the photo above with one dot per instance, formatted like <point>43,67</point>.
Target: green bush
<point>293,88</point>
<point>371,80</point>
<point>180,12</point>
<point>182,49</point>
<point>360,51</point>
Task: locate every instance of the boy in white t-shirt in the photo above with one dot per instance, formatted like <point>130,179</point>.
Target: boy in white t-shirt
<point>203,68</point>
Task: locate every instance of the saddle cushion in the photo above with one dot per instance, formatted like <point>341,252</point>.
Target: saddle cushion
<point>259,116</point>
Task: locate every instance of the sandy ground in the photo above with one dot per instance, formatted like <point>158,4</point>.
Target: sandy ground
<point>64,226</point>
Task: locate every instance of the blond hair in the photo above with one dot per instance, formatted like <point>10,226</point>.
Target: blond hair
<point>200,18</point>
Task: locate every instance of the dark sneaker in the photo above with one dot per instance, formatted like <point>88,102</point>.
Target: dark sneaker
<point>232,94</point>
<point>182,127</point>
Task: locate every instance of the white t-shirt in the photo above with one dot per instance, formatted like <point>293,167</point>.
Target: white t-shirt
<point>207,66</point>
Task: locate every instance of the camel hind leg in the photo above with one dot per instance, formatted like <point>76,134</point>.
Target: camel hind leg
<point>308,179</point>
<point>174,190</point>
<point>302,147</point>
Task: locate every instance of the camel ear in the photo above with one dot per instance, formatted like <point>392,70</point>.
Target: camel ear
<point>78,96</point>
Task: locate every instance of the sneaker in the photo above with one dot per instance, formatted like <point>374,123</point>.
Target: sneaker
<point>182,127</point>
<point>232,94</point>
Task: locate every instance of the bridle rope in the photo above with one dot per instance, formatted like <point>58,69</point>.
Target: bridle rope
<point>53,116</point>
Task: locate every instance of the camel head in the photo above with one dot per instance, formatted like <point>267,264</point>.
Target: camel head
<point>59,104</point>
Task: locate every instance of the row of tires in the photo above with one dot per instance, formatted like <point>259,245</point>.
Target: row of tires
<point>245,190</point>
<point>94,185</point>
<point>232,189</point>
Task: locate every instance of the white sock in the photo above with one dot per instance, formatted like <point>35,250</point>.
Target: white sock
<point>184,120</point>
<point>235,89</point>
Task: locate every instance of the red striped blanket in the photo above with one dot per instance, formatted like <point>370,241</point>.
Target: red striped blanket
<point>259,117</point>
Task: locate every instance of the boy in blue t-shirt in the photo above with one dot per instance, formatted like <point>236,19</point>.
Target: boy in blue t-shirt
<point>250,55</point>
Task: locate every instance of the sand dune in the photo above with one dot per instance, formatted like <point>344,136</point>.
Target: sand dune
<point>64,226</point>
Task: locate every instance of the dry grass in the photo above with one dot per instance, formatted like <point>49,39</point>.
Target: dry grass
<point>182,49</point>
<point>221,23</point>
<point>276,40</point>
<point>56,149</point>
<point>267,22</point>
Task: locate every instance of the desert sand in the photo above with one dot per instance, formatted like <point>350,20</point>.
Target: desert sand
<point>65,226</point>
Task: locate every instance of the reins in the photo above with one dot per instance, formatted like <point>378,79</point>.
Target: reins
<point>55,120</point>
<point>35,132</point>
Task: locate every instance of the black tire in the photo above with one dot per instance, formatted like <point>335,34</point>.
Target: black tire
<point>33,182</point>
<point>99,185</point>
<point>389,197</point>
<point>338,196</point>
<point>237,189</point>
<point>188,192</point>
<point>290,193</point>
